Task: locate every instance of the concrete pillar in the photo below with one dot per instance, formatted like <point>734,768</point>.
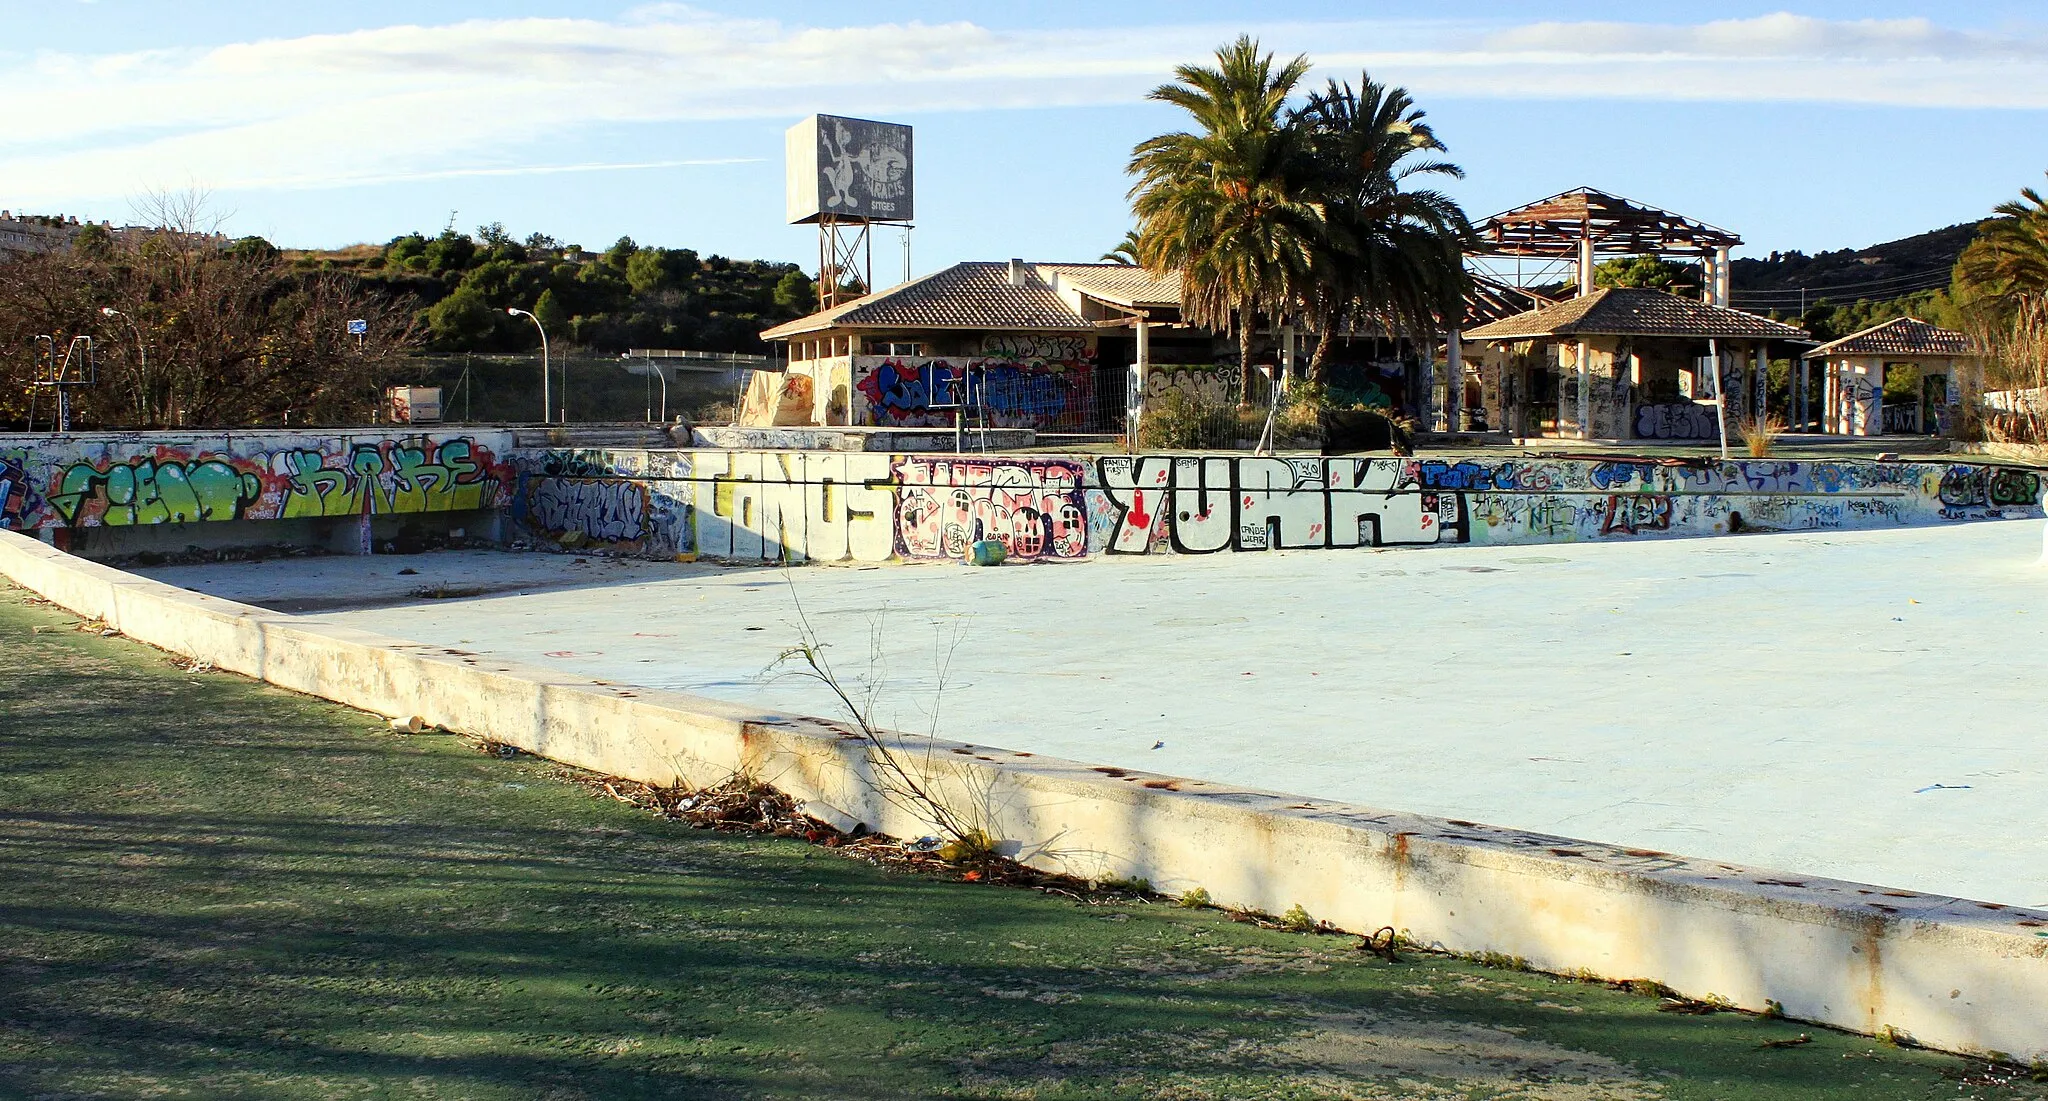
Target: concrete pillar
<point>1134,404</point>
<point>1456,416</point>
<point>1585,265</point>
<point>1763,381</point>
<point>1827,396</point>
<point>1635,382</point>
<point>1585,392</point>
<point>1288,374</point>
<point>1721,276</point>
<point>1799,410</point>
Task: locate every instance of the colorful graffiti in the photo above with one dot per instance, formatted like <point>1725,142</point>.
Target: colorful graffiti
<point>847,507</point>
<point>913,392</point>
<point>1989,487</point>
<point>616,502</point>
<point>385,477</point>
<point>154,491</point>
<point>1635,513</point>
<point>1034,507</point>
<point>783,506</point>
<point>130,481</point>
<point>874,507</point>
<point>17,491</point>
<point>1200,505</point>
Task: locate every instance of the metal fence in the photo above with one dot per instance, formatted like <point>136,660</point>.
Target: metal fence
<point>1221,409</point>
<point>582,388</point>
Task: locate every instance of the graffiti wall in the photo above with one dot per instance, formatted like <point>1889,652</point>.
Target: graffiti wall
<point>1200,505</point>
<point>922,391</point>
<point>620,502</point>
<point>870,508</point>
<point>17,491</point>
<point>1680,420</point>
<point>776,506</point>
<point>137,480</point>
<point>1203,384</point>
<point>1033,507</point>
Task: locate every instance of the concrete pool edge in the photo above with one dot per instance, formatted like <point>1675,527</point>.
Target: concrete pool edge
<point>1953,974</point>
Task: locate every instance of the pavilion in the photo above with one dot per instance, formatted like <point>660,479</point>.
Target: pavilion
<point>1940,365</point>
<point>1621,363</point>
<point>1628,363</point>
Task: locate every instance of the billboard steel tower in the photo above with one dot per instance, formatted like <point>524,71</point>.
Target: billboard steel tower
<point>846,175</point>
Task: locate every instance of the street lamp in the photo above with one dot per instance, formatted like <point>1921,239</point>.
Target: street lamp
<point>546,403</point>
<point>142,371</point>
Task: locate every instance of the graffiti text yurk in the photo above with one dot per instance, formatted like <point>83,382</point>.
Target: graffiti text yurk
<point>1207,504</point>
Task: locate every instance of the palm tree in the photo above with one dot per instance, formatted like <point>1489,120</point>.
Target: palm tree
<point>1218,204</point>
<point>2002,281</point>
<point>2006,266</point>
<point>1125,252</point>
<point>1387,258</point>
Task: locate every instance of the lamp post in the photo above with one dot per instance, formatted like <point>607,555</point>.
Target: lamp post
<point>142,352</point>
<point>546,402</point>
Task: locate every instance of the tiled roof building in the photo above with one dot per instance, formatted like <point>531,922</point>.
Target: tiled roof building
<point>1631,311</point>
<point>1901,336</point>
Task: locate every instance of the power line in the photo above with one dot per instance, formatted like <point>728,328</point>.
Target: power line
<point>1896,291</point>
<point>1829,288</point>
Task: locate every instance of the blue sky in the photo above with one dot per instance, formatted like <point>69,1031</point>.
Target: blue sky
<point>1811,126</point>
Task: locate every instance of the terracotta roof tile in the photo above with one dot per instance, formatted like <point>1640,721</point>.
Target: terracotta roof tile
<point>971,295</point>
<point>1122,284</point>
<point>1901,336</point>
<point>1631,311</point>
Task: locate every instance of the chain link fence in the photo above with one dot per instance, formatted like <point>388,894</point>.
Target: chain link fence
<point>582,388</point>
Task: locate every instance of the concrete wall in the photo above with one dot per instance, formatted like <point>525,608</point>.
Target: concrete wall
<point>184,483</point>
<point>1952,974</point>
<point>872,507</point>
<point>113,493</point>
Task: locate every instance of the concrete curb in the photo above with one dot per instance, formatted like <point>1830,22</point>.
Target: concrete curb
<point>1948,973</point>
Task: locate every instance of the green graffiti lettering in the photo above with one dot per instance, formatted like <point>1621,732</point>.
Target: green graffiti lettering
<point>145,492</point>
<point>391,478</point>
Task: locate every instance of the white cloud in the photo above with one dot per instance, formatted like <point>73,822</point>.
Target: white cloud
<point>481,96</point>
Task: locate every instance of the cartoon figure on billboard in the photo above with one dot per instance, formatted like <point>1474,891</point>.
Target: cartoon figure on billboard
<point>839,171</point>
<point>871,160</point>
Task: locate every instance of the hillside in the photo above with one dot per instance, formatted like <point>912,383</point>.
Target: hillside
<point>458,287</point>
<point>1882,271</point>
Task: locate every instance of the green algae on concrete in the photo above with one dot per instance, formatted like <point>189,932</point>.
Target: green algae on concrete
<point>211,888</point>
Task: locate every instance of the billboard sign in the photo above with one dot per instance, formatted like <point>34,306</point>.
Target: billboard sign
<point>849,168</point>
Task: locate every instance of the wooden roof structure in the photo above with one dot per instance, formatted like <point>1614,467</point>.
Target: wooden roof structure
<point>1554,227</point>
<point>1490,300</point>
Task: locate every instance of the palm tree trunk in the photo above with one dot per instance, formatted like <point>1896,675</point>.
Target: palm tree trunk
<point>1318,360</point>
<point>1244,356</point>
